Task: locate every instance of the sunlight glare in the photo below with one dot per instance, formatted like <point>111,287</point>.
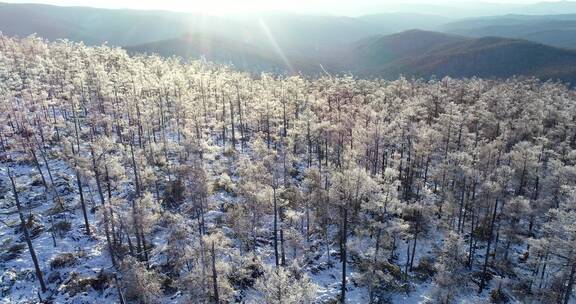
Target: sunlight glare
<point>275,44</point>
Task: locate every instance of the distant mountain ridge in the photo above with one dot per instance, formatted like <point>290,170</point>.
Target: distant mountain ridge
<point>457,56</point>
<point>471,9</point>
<point>91,25</point>
<point>132,27</point>
<point>379,45</point>
<point>556,30</point>
<point>412,53</point>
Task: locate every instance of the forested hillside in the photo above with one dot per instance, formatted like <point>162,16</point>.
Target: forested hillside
<point>141,179</point>
<point>427,54</point>
<point>554,30</point>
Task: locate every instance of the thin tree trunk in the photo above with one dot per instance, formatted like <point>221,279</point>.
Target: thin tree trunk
<point>27,234</point>
<point>570,283</point>
<point>215,276</point>
<point>282,252</point>
<point>102,200</point>
<point>82,202</point>
<point>461,207</point>
<point>238,101</point>
<point>120,294</point>
<point>307,222</point>
<point>344,251</point>
<point>37,164</point>
<point>470,254</point>
<point>543,274</point>
<point>487,255</point>
<point>275,228</point>
<point>232,123</point>
<point>413,250</point>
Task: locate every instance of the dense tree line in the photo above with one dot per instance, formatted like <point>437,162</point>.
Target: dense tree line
<point>200,173</point>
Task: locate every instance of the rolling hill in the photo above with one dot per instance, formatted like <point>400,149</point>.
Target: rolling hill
<point>255,58</point>
<point>457,56</point>
<point>380,50</point>
<point>555,30</point>
<point>217,49</point>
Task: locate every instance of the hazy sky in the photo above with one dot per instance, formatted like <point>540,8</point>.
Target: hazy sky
<point>340,7</point>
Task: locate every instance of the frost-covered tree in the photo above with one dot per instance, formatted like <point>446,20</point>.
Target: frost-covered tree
<point>140,283</point>
<point>451,276</point>
<point>348,190</point>
<point>285,285</point>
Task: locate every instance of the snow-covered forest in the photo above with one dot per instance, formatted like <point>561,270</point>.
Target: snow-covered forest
<point>151,180</point>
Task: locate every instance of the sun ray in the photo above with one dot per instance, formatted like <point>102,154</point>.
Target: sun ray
<point>275,44</point>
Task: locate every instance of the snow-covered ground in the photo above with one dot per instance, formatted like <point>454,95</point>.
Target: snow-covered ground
<point>18,280</point>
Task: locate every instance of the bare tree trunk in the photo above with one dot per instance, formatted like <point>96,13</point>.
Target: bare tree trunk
<point>82,202</point>
<point>461,214</point>
<point>215,276</point>
<point>570,283</point>
<point>241,122</point>
<point>275,228</point>
<point>344,252</point>
<point>37,164</point>
<point>27,234</point>
<point>223,121</point>
<point>487,255</point>
<point>268,138</point>
<point>543,274</point>
<point>120,294</point>
<point>203,262</point>
<point>102,200</point>
<point>470,254</point>
<point>144,247</point>
<point>232,123</point>
<point>307,222</point>
<point>282,252</point>
<point>413,250</point>
<point>327,246</point>
<point>134,168</point>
